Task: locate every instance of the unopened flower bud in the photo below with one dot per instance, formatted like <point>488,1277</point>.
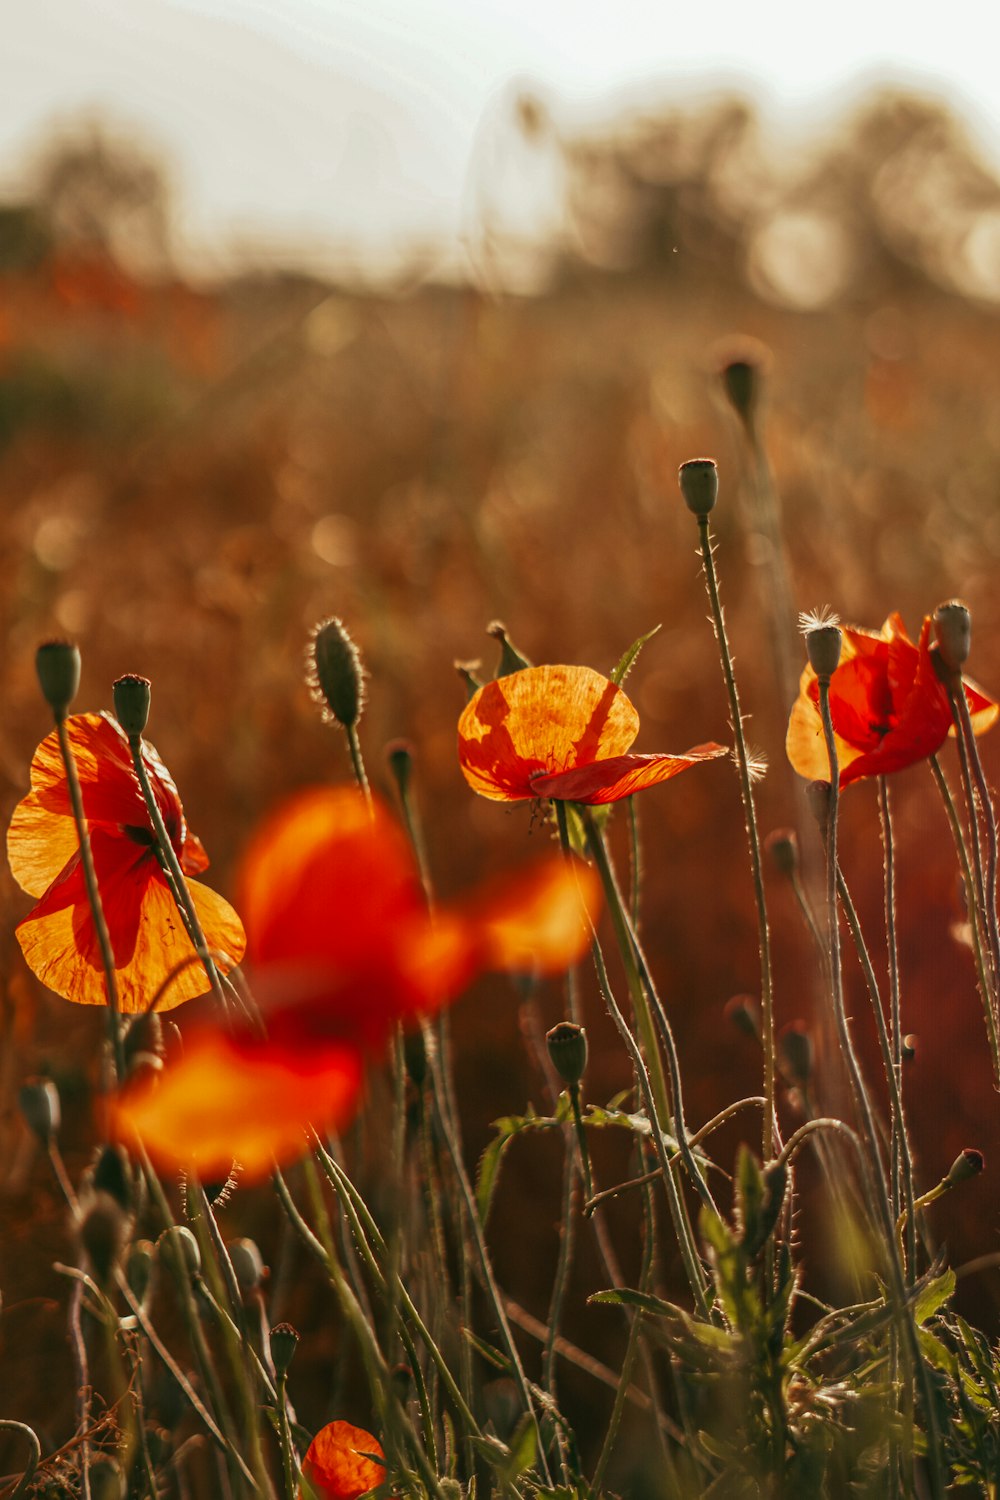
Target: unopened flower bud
<point>248,1264</point>
<point>968,1164</point>
<point>399,758</point>
<point>107,1480</point>
<point>511,659</point>
<point>909,1046</point>
<point>402,1382</point>
<point>131,699</point>
<point>336,674</point>
<point>818,794</point>
<point>795,1052</point>
<point>699,481</point>
<point>110,1174</point>
<point>567,1044</point>
<point>39,1101</point>
<point>144,1034</point>
<point>783,846</point>
<point>104,1230</point>
<point>953,632</point>
<point>58,666</point>
<point>284,1342</point>
<point>823,643</point>
<point>139,1267</point>
<point>178,1249</point>
<point>742,1012</point>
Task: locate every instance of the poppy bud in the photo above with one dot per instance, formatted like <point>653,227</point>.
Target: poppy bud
<point>399,757</point>
<point>818,794</point>
<point>336,674</point>
<point>567,1044</point>
<point>823,643</point>
<point>795,1051</point>
<point>909,1046</point>
<point>39,1101</point>
<point>741,1010</point>
<point>284,1342</point>
<point>111,1175</point>
<point>104,1231</point>
<point>144,1034</point>
<point>139,1268</point>
<point>58,666</point>
<point>953,631</point>
<point>415,1057</point>
<point>248,1264</point>
<point>131,699</point>
<point>107,1482</point>
<point>178,1249</point>
<point>511,659</point>
<point>699,481</point>
<point>966,1165</point>
<point>783,847</point>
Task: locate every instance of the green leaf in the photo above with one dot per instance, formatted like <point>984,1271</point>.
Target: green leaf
<point>933,1295</point>
<point>507,1128</point>
<point>628,661</point>
<point>523,1449</point>
<point>645,1301</point>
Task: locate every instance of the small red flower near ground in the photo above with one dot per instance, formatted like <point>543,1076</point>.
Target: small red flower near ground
<point>147,934</point>
<point>888,705</point>
<point>337,1465</point>
<point>341,949</point>
<point>560,732</point>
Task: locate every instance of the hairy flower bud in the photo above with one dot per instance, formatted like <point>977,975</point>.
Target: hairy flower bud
<point>104,1230</point>
<point>783,846</point>
<point>58,666</point>
<point>567,1044</point>
<point>335,672</point>
<point>741,1011</point>
<point>795,1053</point>
<point>178,1249</point>
<point>248,1264</point>
<point>131,699</point>
<point>511,659</point>
<point>39,1102</point>
<point>953,632</point>
<point>699,482</point>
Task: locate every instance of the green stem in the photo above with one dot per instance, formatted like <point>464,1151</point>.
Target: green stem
<point>967,741</point>
<point>34,1454</point>
<point>769,1129</point>
<point>567,1224</point>
<point>902,1160</point>
<point>93,895</point>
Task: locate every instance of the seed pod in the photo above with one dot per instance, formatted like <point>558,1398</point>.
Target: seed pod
<point>823,644</point>
<point>39,1101</point>
<point>131,698</point>
<point>284,1342</point>
<point>953,631</point>
<point>699,482</point>
<point>567,1044</point>
<point>58,666</point>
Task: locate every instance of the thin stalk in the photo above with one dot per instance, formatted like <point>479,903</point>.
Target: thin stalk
<point>967,737</point>
<point>750,817</point>
<point>567,1229</point>
<point>979,888</point>
<point>357,761</point>
<point>678,1211</point>
<point>289,1464</point>
<point>93,895</point>
<point>34,1453</point>
<point>177,881</point>
<point>902,1160</point>
<point>975,915</point>
<point>635,864</point>
<point>83,1388</point>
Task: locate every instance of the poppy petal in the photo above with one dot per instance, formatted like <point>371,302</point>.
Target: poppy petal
<point>239,1098</point>
<point>620,776</point>
<point>541,720</point>
<point>336,1465</point>
<point>147,937</point>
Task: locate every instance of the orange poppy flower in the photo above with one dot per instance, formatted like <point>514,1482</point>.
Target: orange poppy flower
<point>341,948</point>
<point>889,707</point>
<point>148,937</point>
<point>337,1465</point>
<point>560,732</point>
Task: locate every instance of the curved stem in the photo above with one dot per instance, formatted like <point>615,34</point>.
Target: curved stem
<point>34,1453</point>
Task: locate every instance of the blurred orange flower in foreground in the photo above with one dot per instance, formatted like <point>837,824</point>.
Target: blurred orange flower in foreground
<point>336,1466</point>
<point>889,707</point>
<point>147,934</point>
<point>342,947</point>
<point>560,732</point>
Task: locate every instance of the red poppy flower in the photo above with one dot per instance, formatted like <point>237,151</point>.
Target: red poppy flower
<point>341,948</point>
<point>147,935</point>
<point>560,732</point>
<point>889,707</point>
<point>337,1465</point>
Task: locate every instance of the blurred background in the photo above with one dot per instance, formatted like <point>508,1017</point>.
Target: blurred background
<point>409,314</point>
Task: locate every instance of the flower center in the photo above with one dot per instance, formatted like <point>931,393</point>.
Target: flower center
<point>144,836</point>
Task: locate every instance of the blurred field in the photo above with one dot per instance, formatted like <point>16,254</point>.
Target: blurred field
<point>191,478</point>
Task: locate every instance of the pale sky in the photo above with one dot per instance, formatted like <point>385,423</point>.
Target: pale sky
<point>336,128</point>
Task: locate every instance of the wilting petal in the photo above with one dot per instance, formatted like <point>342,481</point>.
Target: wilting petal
<point>325,880</point>
<point>239,1098</point>
<point>541,720</point>
<point>335,1466</point>
<point>539,919</point>
<point>147,935</point>
<point>620,776</point>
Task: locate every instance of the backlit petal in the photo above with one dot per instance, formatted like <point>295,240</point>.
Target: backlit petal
<point>538,919</point>
<point>541,720</point>
<point>620,776</point>
<point>239,1098</point>
<point>335,1466</point>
